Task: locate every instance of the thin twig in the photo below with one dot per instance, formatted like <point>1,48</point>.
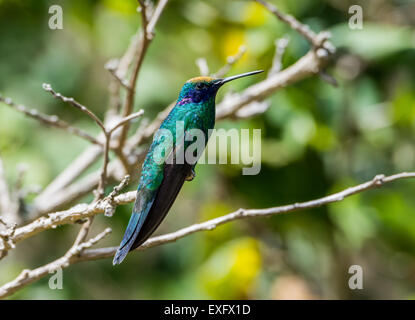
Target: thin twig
<point>230,61</point>
<point>280,46</point>
<point>6,241</point>
<point>52,120</point>
<point>48,88</point>
<point>306,66</point>
<point>112,66</point>
<point>110,208</point>
<point>83,232</point>
<point>71,101</point>
<point>123,122</point>
<point>296,25</point>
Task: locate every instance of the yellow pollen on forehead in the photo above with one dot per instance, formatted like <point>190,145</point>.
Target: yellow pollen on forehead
<point>199,79</point>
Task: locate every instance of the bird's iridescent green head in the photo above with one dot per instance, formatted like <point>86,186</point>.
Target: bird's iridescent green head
<point>203,89</point>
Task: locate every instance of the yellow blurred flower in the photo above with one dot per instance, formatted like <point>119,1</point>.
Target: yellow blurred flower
<point>254,14</point>
<point>247,261</point>
<point>231,271</point>
<point>233,40</point>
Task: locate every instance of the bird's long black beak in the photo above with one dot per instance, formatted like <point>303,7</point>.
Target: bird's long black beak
<point>220,82</point>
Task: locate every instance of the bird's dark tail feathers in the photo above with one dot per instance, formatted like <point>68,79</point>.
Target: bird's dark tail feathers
<point>142,206</point>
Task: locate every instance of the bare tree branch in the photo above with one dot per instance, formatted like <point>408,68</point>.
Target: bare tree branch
<point>74,214</point>
<point>296,25</point>
<point>123,122</point>
<point>90,155</point>
<point>78,253</point>
<point>308,65</point>
<point>48,88</point>
<point>6,243</point>
<point>230,61</point>
<point>280,46</point>
<point>27,276</point>
<point>112,66</point>
<point>209,225</point>
<point>147,34</point>
<point>53,120</point>
<point>258,107</point>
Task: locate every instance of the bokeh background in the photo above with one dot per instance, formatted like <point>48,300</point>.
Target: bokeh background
<point>316,139</point>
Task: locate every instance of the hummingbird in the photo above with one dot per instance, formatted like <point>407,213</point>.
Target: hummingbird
<point>161,181</point>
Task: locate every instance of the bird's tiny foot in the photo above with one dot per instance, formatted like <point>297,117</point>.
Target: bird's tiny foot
<point>191,175</point>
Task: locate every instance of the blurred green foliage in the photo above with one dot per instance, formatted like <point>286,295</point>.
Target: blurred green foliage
<point>316,139</point>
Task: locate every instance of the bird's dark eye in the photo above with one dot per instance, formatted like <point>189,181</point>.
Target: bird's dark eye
<point>200,86</point>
